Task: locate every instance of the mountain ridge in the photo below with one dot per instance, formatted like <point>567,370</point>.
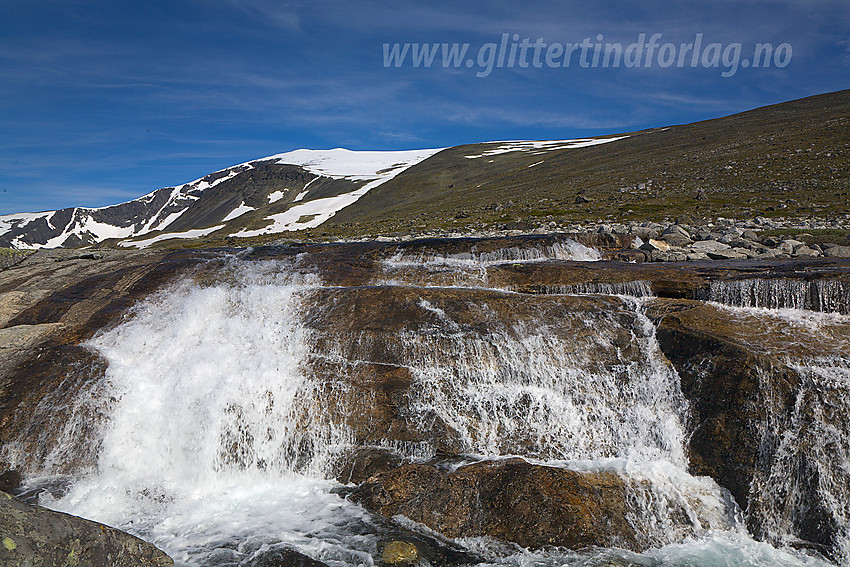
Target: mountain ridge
<point>783,160</point>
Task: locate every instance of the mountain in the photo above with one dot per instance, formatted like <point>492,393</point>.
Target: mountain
<point>786,160</point>
<point>285,192</point>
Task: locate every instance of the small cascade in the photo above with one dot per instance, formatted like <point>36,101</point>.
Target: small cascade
<point>566,249</point>
<point>806,491</point>
<point>830,296</point>
<point>636,288</point>
<point>585,389</point>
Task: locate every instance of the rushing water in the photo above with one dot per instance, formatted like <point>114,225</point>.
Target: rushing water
<point>216,444</point>
<point>777,293</point>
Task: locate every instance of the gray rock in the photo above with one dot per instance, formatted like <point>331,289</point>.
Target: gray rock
<point>39,537</point>
<point>788,246</point>
<point>725,255</point>
<point>838,252</point>
<point>675,229</point>
<point>746,252</point>
<point>750,235</point>
<point>653,245</point>
<point>806,252</point>
<point>645,233</point>
<point>709,245</point>
<point>676,239</point>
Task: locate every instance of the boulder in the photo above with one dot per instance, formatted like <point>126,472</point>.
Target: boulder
<point>512,500</point>
<point>676,229</point>
<point>644,232</point>
<point>653,244</point>
<point>709,246</point>
<point>676,239</point>
<point>282,557</point>
<point>725,255</point>
<point>788,246</point>
<point>38,537</point>
<point>838,252</point>
<point>806,252</point>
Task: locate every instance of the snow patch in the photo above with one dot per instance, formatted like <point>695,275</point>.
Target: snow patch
<point>238,212</point>
<point>316,212</point>
<point>276,196</point>
<point>540,146</point>
<point>375,167</point>
<point>194,233</point>
<point>340,163</point>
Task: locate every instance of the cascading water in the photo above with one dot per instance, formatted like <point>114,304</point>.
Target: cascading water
<point>469,268</point>
<point>218,442</point>
<point>807,445</point>
<point>831,296</point>
<point>566,249</point>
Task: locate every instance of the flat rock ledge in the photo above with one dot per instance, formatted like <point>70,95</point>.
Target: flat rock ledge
<point>511,500</point>
<point>38,537</point>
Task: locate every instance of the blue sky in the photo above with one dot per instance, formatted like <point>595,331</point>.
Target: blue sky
<point>101,102</point>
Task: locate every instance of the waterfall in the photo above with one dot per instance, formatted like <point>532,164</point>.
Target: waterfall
<point>831,296</point>
<point>566,249</point>
<point>636,288</point>
<point>227,402</point>
<point>810,449</point>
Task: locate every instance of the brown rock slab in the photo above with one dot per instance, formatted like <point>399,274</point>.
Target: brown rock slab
<point>512,500</point>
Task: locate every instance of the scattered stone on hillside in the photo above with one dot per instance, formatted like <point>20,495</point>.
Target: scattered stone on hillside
<point>655,245</point>
<point>38,537</point>
<point>725,255</point>
<point>838,252</point>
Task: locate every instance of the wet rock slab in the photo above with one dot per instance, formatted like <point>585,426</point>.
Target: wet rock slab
<point>38,537</point>
<point>512,500</point>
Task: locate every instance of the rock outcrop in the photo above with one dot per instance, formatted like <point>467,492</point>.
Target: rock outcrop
<point>374,323</point>
<point>512,500</point>
<point>747,382</point>
<point>38,537</point>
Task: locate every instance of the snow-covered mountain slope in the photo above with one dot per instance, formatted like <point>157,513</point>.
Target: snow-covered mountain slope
<point>283,192</point>
<point>292,191</point>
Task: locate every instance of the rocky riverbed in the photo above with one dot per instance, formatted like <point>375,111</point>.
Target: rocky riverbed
<point>546,391</point>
